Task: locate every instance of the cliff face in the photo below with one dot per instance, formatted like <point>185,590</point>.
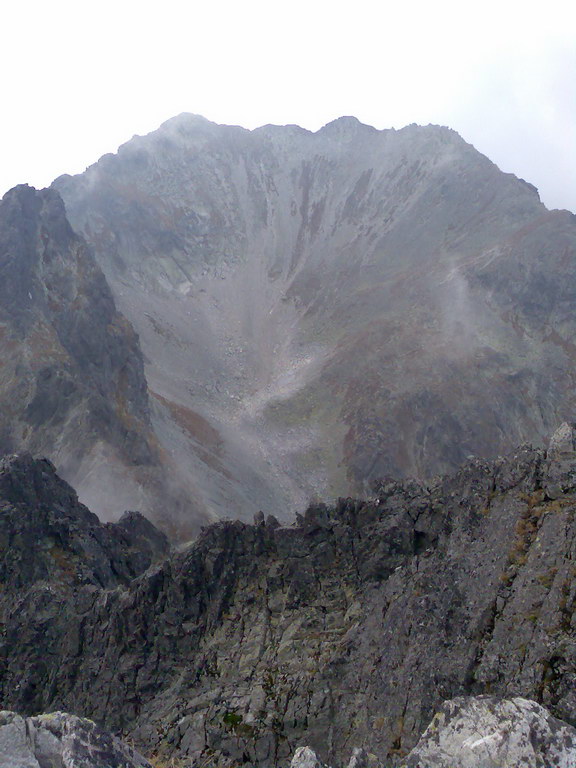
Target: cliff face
<point>320,310</point>
<point>348,628</point>
<point>72,383</point>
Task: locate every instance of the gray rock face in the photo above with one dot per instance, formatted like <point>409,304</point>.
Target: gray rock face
<point>478,732</point>
<point>362,759</point>
<point>72,383</point>
<point>562,442</point>
<point>350,627</point>
<point>49,539</point>
<point>485,732</point>
<point>304,757</point>
<point>560,475</point>
<point>320,310</point>
<point>59,740</point>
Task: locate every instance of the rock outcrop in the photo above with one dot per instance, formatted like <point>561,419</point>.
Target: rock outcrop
<point>49,539</point>
<point>72,383</point>
<point>478,732</point>
<point>349,628</point>
<point>319,310</point>
<point>59,740</point>
<point>485,732</point>
<point>304,757</point>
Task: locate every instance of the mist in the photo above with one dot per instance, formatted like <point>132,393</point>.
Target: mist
<point>83,81</point>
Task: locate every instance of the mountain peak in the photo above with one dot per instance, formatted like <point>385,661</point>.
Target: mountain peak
<point>266,271</point>
<point>346,124</point>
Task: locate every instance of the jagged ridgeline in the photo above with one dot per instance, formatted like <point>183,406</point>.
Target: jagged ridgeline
<point>348,628</point>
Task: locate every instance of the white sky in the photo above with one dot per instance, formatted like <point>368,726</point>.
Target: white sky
<point>79,78</point>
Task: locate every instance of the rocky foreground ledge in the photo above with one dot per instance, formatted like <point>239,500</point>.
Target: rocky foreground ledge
<point>60,740</point>
<point>481,732</point>
<point>349,628</point>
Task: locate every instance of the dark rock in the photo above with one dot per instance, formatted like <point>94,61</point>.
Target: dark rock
<point>46,535</point>
<point>144,539</point>
<point>350,627</point>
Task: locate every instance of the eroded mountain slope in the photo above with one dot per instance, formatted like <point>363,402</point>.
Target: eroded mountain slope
<point>318,310</point>
<point>72,383</point>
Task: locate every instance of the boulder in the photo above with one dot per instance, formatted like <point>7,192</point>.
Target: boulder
<point>60,740</point>
<point>304,757</point>
<point>487,732</point>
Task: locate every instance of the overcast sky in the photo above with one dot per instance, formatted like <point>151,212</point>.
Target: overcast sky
<point>80,78</point>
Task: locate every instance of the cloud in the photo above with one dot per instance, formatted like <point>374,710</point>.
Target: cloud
<point>84,78</point>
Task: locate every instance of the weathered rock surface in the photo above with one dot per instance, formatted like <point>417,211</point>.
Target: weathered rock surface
<point>59,740</point>
<point>360,758</point>
<point>49,539</point>
<point>486,732</point>
<point>304,757</point>
<point>348,628</point>
<point>72,383</point>
<point>319,310</point>
<point>478,732</point>
<point>561,474</point>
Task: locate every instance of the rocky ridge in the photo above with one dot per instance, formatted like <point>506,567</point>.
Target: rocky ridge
<point>348,628</point>
<point>72,383</point>
<point>319,310</point>
<point>48,538</point>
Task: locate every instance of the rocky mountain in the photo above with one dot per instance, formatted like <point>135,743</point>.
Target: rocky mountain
<point>319,310</point>
<point>348,628</point>
<point>72,383</point>
<point>217,322</point>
